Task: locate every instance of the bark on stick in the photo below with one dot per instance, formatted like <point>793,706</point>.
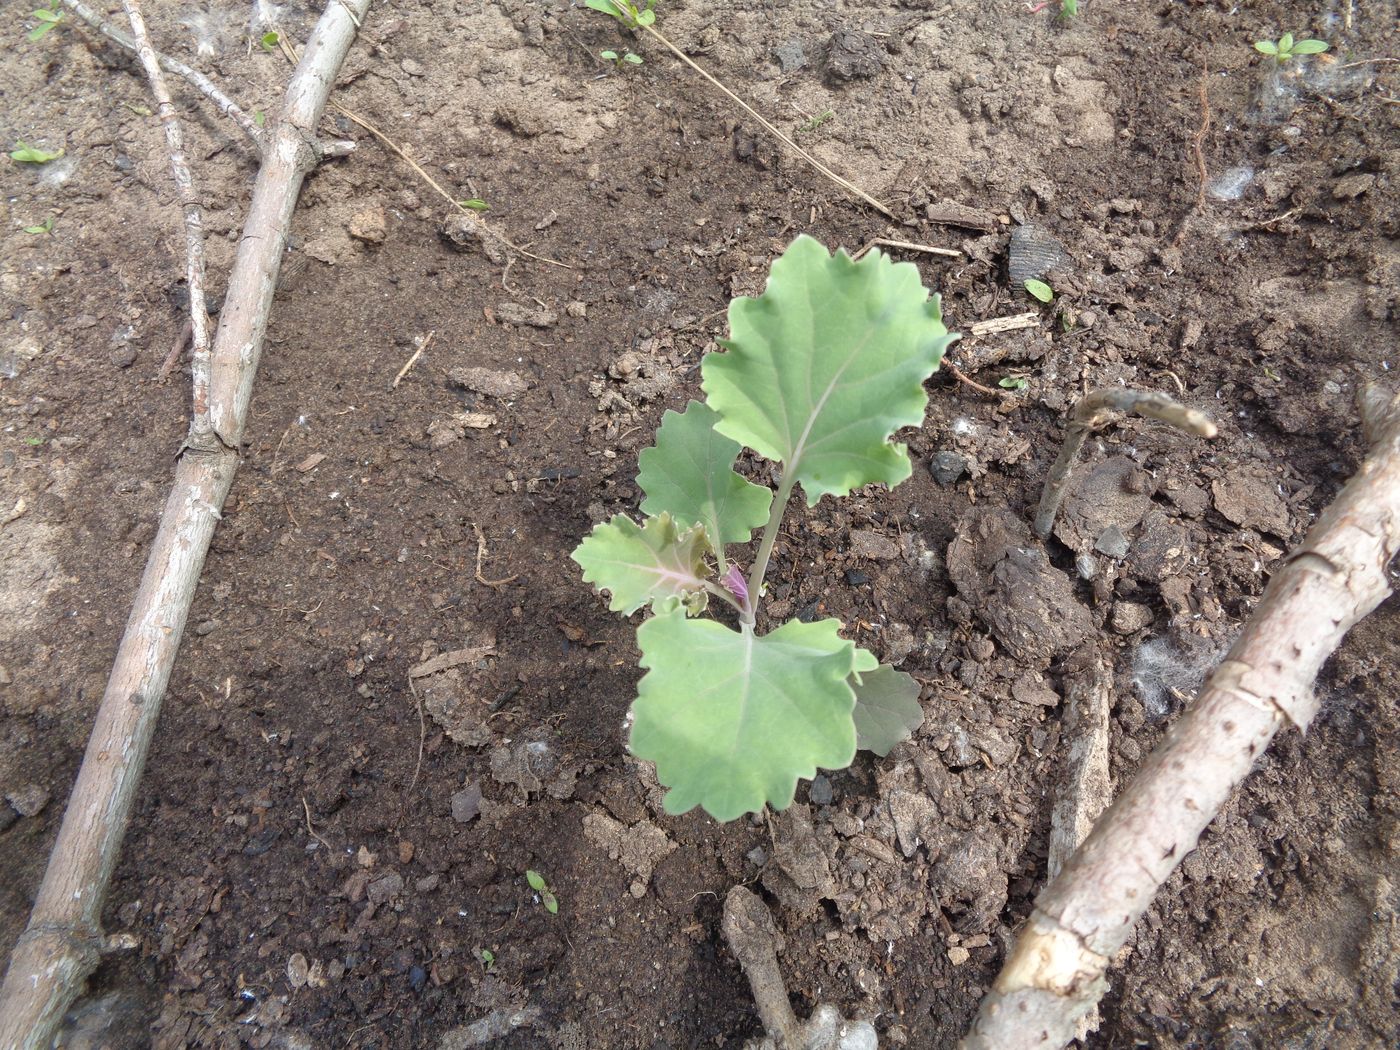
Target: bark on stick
<point>1055,973</point>
<point>60,947</point>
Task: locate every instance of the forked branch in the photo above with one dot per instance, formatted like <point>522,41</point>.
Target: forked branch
<point>1055,973</point>
<point>60,946</point>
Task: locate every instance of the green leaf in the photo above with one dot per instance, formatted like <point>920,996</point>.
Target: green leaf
<point>1266,47</point>
<point>269,41</point>
<point>823,367</point>
<point>1013,382</point>
<point>887,708</point>
<point>47,20</point>
<point>650,563</point>
<point>44,227</point>
<point>1040,290</point>
<point>732,720</point>
<point>475,204</point>
<point>611,56</point>
<point>646,18</point>
<point>1310,47</point>
<point>1285,44</point>
<point>259,118</point>
<point>631,59</point>
<point>690,473</point>
<point>536,880</point>
<point>607,7</point>
<point>33,155</point>
<point>550,902</point>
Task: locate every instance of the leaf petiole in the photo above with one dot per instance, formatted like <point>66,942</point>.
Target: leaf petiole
<point>765,546</point>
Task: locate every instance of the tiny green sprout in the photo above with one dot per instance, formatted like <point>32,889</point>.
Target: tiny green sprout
<point>626,58</point>
<point>629,14</point>
<point>547,898</point>
<point>26,154</point>
<point>48,18</point>
<point>475,204</point>
<point>1039,290</point>
<point>269,41</point>
<point>488,959</point>
<point>138,109</point>
<point>1013,382</point>
<point>34,442</point>
<point>1066,9</point>
<point>44,227</point>
<point>259,118</point>
<point>815,122</point>
<point>1286,47</point>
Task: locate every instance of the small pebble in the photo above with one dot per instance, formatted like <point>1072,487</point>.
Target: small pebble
<point>820,792</point>
<point>947,467</point>
<point>1112,542</point>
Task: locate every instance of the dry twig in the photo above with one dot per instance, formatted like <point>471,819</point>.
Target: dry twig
<point>194,219</point>
<point>909,246</point>
<point>422,345</point>
<point>481,556</point>
<point>60,947</point>
<point>196,79</point>
<point>845,184</point>
<point>1096,410</point>
<point>1055,973</point>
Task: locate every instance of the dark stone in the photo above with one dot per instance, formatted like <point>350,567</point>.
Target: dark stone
<point>853,55</point>
<point>947,467</point>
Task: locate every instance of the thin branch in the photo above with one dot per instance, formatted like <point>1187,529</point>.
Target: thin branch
<point>60,947</point>
<point>1096,410</point>
<point>198,80</point>
<point>194,219</point>
<point>765,546</point>
<point>1055,973</point>
<point>789,143</point>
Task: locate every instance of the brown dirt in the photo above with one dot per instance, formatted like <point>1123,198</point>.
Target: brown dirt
<point>294,878</point>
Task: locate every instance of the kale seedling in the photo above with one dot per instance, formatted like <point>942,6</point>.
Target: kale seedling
<point>26,154</point>
<point>633,16</point>
<point>1285,47</point>
<point>819,372</point>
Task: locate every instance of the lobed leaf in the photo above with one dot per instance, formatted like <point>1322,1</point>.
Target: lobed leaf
<point>823,367</point>
<point>689,472</point>
<point>887,709</point>
<point>732,720</point>
<point>647,563</point>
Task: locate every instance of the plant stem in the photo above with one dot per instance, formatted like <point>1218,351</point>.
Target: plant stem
<point>765,547</point>
<point>719,592</point>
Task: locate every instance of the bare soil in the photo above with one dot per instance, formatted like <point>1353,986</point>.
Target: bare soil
<point>309,864</point>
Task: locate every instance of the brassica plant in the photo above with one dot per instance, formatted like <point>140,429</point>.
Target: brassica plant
<point>818,373</point>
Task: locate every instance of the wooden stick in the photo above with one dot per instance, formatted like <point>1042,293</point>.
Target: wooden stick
<point>198,80</point>
<point>59,948</point>
<point>194,219</point>
<point>1055,973</point>
<point>909,246</point>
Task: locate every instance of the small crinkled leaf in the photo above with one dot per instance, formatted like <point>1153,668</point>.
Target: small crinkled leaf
<point>640,564</point>
<point>887,708</point>
<point>689,473</point>
<point>732,720</point>
<point>826,364</point>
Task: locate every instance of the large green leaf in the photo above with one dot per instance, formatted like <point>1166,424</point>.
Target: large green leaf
<point>887,708</point>
<point>732,720</point>
<point>826,364</point>
<point>650,563</point>
<point>690,473</point>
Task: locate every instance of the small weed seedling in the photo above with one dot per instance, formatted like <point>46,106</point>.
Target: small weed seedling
<point>44,227</point>
<point>475,204</point>
<point>1067,8</point>
<point>626,58</point>
<point>25,154</point>
<point>811,125</point>
<point>1013,382</point>
<point>269,41</point>
<point>629,14</point>
<point>1285,47</point>
<point>48,18</point>
<point>488,959</point>
<point>818,373</point>
<point>547,898</point>
<point>1039,290</point>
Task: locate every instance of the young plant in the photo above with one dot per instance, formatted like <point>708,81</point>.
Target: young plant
<point>547,898</point>
<point>818,373</point>
<point>629,14</point>
<point>48,19</point>
<point>1039,290</point>
<point>26,154</point>
<point>619,60</point>
<point>1067,9</point>
<point>1285,47</point>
